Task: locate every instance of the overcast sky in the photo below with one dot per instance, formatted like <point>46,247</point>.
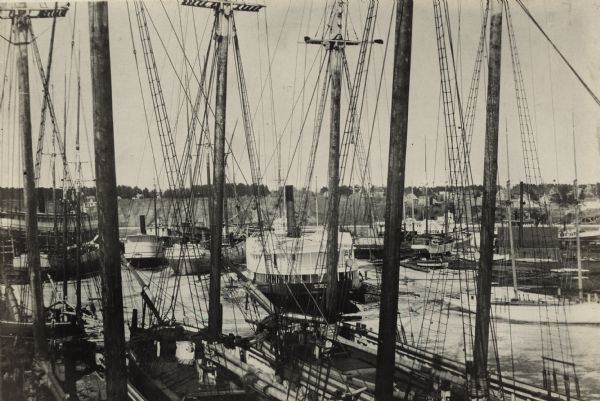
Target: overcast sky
<point>555,97</point>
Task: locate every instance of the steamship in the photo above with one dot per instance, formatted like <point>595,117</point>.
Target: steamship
<point>288,265</point>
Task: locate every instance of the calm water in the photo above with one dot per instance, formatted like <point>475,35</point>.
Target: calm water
<point>518,345</point>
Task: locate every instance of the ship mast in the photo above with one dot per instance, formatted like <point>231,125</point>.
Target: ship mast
<point>426,193</point>
<point>480,388</point>
<point>21,15</point>
<point>577,239</point>
<point>390,275</point>
<point>21,28</point>
<point>215,311</point>
<point>223,13</point>
<point>510,231</point>
<point>335,46</point>
<point>78,210</point>
<point>104,152</point>
<point>331,302</point>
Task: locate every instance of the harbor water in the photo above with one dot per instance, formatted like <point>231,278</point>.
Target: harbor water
<point>427,322</point>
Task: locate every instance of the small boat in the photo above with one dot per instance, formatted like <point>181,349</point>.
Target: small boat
<point>433,244</point>
<point>527,307</point>
<point>436,263</point>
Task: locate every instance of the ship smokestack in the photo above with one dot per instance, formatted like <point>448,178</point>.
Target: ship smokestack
<point>142,224</point>
<point>292,229</point>
<point>41,200</point>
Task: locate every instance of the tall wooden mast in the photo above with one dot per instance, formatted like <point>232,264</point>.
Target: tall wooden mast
<point>333,182</point>
<point>223,13</point>
<point>480,388</point>
<point>78,210</point>
<point>384,382</point>
<point>510,225</point>
<point>20,15</point>
<point>21,31</point>
<point>215,311</point>
<point>577,212</point>
<point>335,46</point>
<point>104,152</point>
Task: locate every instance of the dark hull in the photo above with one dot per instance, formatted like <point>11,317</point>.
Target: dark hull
<point>89,266</point>
<point>25,330</point>
<point>147,263</point>
<point>375,251</point>
<point>309,298</point>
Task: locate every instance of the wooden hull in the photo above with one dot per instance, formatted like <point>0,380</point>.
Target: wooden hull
<point>89,266</point>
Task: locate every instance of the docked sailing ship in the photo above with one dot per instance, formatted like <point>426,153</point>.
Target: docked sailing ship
<point>58,243</point>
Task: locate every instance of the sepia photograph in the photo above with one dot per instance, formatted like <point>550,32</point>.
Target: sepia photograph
<point>300,200</point>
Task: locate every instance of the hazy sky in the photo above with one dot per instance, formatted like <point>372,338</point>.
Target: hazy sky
<point>555,98</point>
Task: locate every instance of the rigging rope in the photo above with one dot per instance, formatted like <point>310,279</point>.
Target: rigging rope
<point>579,78</point>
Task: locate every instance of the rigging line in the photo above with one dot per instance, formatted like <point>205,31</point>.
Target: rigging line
<point>270,77</point>
<point>260,104</point>
<point>296,76</point>
<point>45,83</point>
<point>68,92</point>
<point>141,90</point>
<point>295,104</point>
<point>5,78</point>
<point>59,140</point>
<point>579,78</point>
<point>437,136</point>
<point>552,105</point>
<point>165,48</point>
<point>272,60</point>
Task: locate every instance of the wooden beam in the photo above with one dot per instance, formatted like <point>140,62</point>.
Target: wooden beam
<point>216,4</point>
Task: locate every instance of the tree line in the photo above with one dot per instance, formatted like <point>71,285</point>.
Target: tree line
<point>561,194</point>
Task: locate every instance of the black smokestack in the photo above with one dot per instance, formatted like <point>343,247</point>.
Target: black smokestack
<point>292,229</point>
<point>41,200</point>
<point>142,224</point>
